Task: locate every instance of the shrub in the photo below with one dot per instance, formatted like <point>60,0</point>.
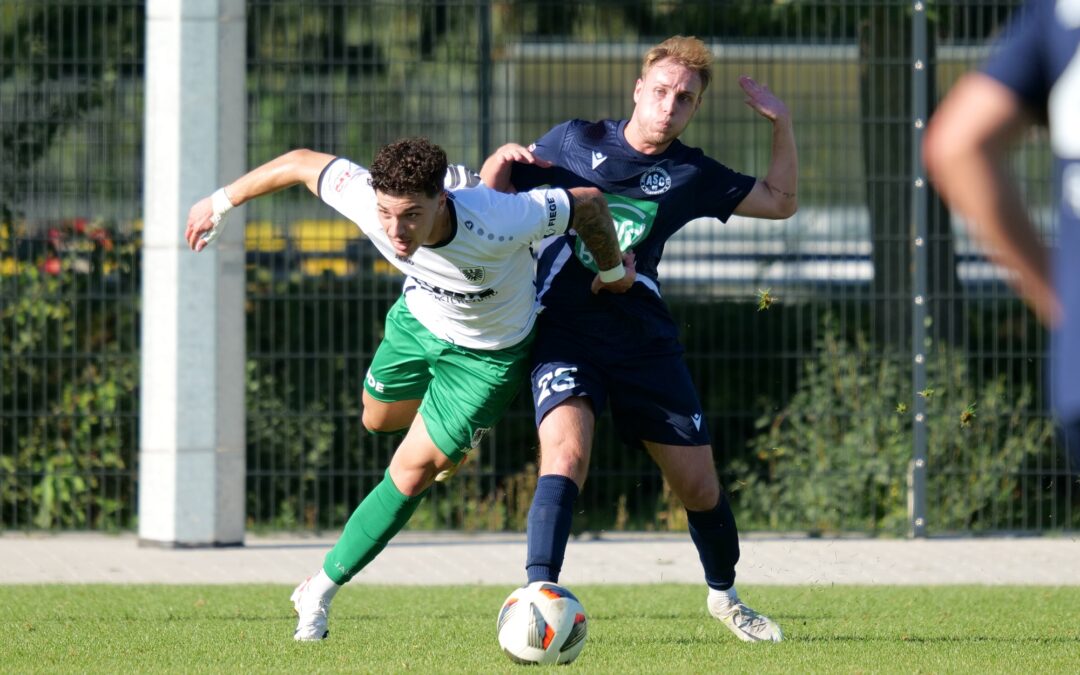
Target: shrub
<point>837,456</point>
<point>69,377</point>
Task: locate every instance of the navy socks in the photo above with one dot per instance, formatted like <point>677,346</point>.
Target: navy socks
<point>717,540</point>
<point>550,517</point>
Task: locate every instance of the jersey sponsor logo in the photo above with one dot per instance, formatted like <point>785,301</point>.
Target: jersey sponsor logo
<point>655,181</point>
<point>633,219</point>
<point>558,380</point>
<point>374,384</point>
<point>598,158</point>
<point>552,215</point>
<point>455,297</point>
<point>474,274</point>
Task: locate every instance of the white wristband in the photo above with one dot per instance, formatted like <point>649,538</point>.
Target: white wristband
<point>613,274</point>
<point>220,204</point>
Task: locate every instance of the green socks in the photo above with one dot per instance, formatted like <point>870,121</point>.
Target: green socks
<point>372,525</point>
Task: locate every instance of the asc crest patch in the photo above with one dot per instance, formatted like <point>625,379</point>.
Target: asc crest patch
<point>474,274</point>
<point>655,181</point>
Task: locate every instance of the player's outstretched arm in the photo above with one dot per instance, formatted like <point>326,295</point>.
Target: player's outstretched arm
<point>206,217</point>
<point>593,223</point>
<point>776,195</point>
<point>496,170</point>
<point>966,153</point>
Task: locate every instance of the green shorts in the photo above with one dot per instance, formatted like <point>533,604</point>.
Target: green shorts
<point>463,391</point>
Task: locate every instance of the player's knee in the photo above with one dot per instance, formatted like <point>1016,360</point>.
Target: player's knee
<point>571,467</point>
<point>701,496</point>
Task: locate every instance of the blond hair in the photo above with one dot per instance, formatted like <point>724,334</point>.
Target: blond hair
<point>689,52</point>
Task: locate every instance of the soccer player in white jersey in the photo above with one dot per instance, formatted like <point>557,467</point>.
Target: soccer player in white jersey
<point>457,341</point>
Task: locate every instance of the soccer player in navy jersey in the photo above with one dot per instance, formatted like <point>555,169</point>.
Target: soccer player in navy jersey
<point>1032,76</point>
<point>595,349</point>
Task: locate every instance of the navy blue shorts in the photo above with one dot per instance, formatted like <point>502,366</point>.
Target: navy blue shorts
<point>651,393</point>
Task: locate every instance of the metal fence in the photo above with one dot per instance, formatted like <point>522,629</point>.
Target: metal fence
<point>892,363</point>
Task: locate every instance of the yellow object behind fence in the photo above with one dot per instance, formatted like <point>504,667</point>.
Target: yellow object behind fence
<point>322,236</point>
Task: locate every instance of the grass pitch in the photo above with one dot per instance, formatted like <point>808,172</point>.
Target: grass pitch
<point>632,629</point>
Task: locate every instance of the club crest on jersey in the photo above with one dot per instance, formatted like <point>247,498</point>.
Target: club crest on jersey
<point>655,181</point>
<point>474,274</point>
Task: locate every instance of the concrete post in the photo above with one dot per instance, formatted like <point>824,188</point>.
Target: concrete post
<point>192,445</point>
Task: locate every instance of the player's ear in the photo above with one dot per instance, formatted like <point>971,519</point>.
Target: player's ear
<point>637,89</point>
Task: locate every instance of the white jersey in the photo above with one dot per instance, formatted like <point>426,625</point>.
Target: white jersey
<point>475,290</point>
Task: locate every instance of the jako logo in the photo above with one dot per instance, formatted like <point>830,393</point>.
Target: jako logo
<point>655,181</point>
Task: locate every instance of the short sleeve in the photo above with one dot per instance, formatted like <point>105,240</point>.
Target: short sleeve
<point>1018,58</point>
<point>525,217</point>
<point>722,189</point>
<point>346,187</point>
<point>549,147</point>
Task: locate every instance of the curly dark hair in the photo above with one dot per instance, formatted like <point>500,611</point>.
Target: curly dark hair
<point>409,166</point>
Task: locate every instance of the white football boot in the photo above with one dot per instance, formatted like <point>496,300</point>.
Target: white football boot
<point>313,612</point>
<point>748,625</point>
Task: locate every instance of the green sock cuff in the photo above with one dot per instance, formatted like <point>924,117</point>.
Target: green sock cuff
<point>380,516</point>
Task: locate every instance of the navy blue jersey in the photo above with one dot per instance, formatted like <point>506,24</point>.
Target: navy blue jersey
<point>1038,58</point>
<point>650,197</point>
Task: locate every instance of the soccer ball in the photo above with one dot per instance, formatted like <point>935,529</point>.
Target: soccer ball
<point>542,623</point>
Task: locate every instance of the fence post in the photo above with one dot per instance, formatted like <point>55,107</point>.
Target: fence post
<point>485,80</point>
<point>917,471</point>
<point>192,442</point>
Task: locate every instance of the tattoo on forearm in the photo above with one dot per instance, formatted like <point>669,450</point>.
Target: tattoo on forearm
<point>598,233</point>
<point>776,190</point>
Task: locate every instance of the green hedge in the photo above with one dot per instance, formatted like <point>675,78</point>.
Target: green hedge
<point>830,451</point>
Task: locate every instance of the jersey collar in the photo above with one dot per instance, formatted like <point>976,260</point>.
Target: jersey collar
<point>451,213</point>
<point>620,135</point>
